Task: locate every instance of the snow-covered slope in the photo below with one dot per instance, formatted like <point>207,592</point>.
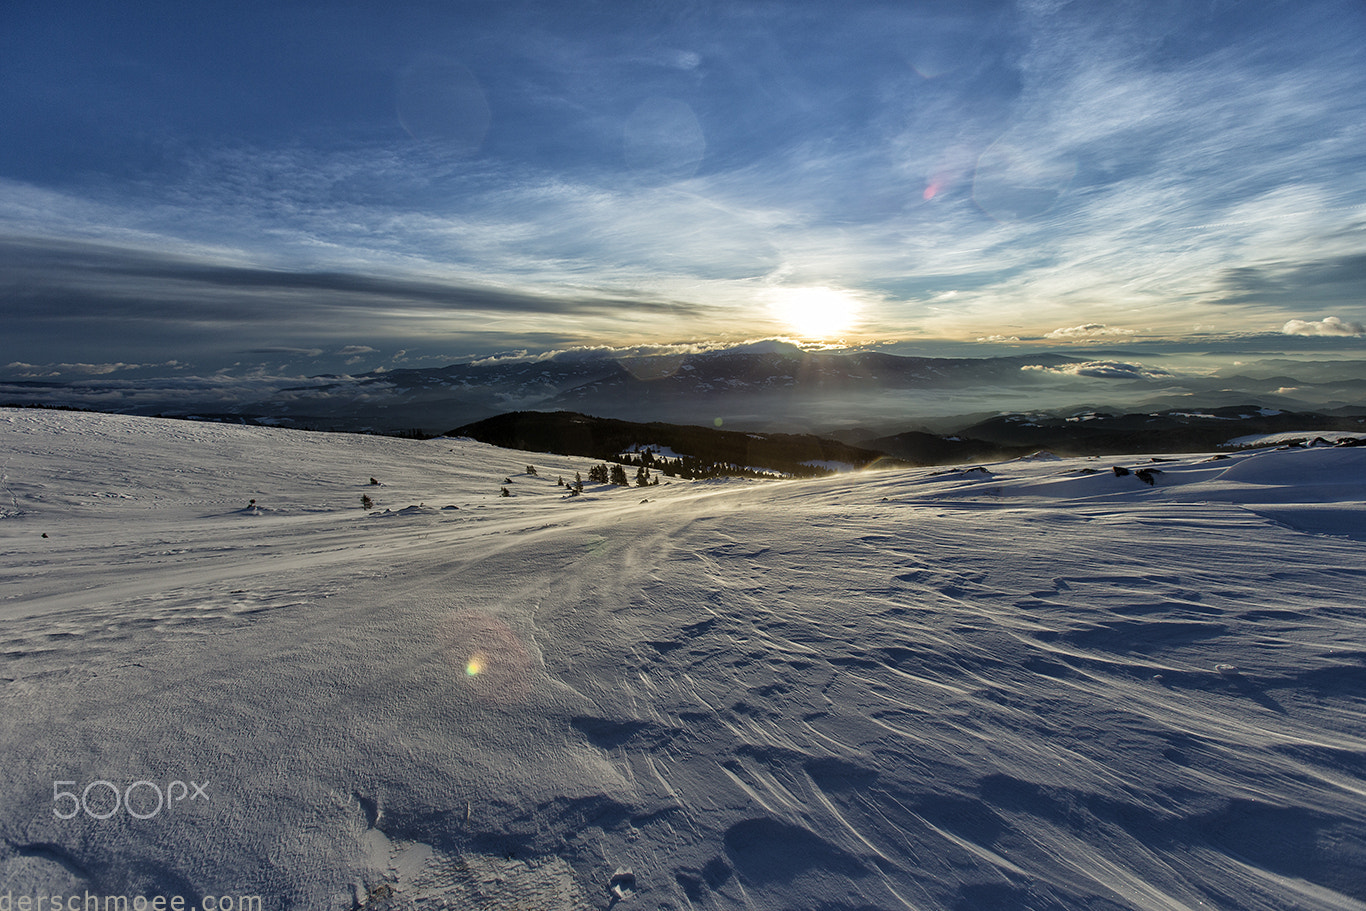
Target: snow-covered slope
<point>1034,685</point>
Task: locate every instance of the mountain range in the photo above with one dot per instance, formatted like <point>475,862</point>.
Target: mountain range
<point>758,387</point>
<point>778,387</point>
<point>1086,398</point>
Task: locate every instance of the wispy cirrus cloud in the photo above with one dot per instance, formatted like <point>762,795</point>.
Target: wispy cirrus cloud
<point>968,171</point>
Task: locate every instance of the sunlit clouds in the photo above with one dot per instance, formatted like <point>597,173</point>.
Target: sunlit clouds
<point>1329,325</point>
<point>485,180</point>
<point>1088,331</point>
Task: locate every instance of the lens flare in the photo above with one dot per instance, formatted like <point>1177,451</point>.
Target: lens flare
<point>664,140</point>
<point>488,657</point>
<point>1015,182</point>
<point>440,101</point>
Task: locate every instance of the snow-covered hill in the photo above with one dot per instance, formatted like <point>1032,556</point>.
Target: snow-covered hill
<point>1038,684</point>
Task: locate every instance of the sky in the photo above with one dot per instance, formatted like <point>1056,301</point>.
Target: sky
<point>299,188</point>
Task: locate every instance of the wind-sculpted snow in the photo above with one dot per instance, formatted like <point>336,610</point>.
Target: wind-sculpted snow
<point>1038,685</point>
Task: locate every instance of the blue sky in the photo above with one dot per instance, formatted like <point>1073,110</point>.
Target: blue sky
<point>301,188</point>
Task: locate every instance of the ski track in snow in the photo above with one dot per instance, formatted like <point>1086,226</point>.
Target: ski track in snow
<point>929,689</point>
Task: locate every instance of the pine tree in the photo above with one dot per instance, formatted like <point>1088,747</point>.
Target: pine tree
<point>578,482</point>
<point>531,470</point>
<point>619,476</point>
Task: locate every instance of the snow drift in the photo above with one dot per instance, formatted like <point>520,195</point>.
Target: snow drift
<point>1041,685</point>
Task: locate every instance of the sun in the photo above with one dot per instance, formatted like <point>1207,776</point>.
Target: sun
<point>815,312</point>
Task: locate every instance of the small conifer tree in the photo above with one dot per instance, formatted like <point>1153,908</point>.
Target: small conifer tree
<point>366,502</point>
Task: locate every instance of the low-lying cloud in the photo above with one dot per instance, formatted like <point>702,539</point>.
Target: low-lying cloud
<point>1106,370</point>
<point>27,371</point>
<point>606,352</point>
<point>1329,325</point>
<point>1090,330</point>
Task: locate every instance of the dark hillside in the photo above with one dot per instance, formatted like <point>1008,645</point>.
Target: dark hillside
<point>570,433</point>
<point>1169,431</point>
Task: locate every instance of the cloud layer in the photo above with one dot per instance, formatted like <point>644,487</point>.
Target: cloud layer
<point>473,181</point>
<point>1108,370</point>
<point>1329,325</point>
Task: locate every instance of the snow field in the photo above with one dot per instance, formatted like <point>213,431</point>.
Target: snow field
<point>917,689</point>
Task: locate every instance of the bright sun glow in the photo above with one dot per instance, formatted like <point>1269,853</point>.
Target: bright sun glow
<point>815,313</point>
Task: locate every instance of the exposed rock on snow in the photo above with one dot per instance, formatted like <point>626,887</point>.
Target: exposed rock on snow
<point>1148,475</point>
